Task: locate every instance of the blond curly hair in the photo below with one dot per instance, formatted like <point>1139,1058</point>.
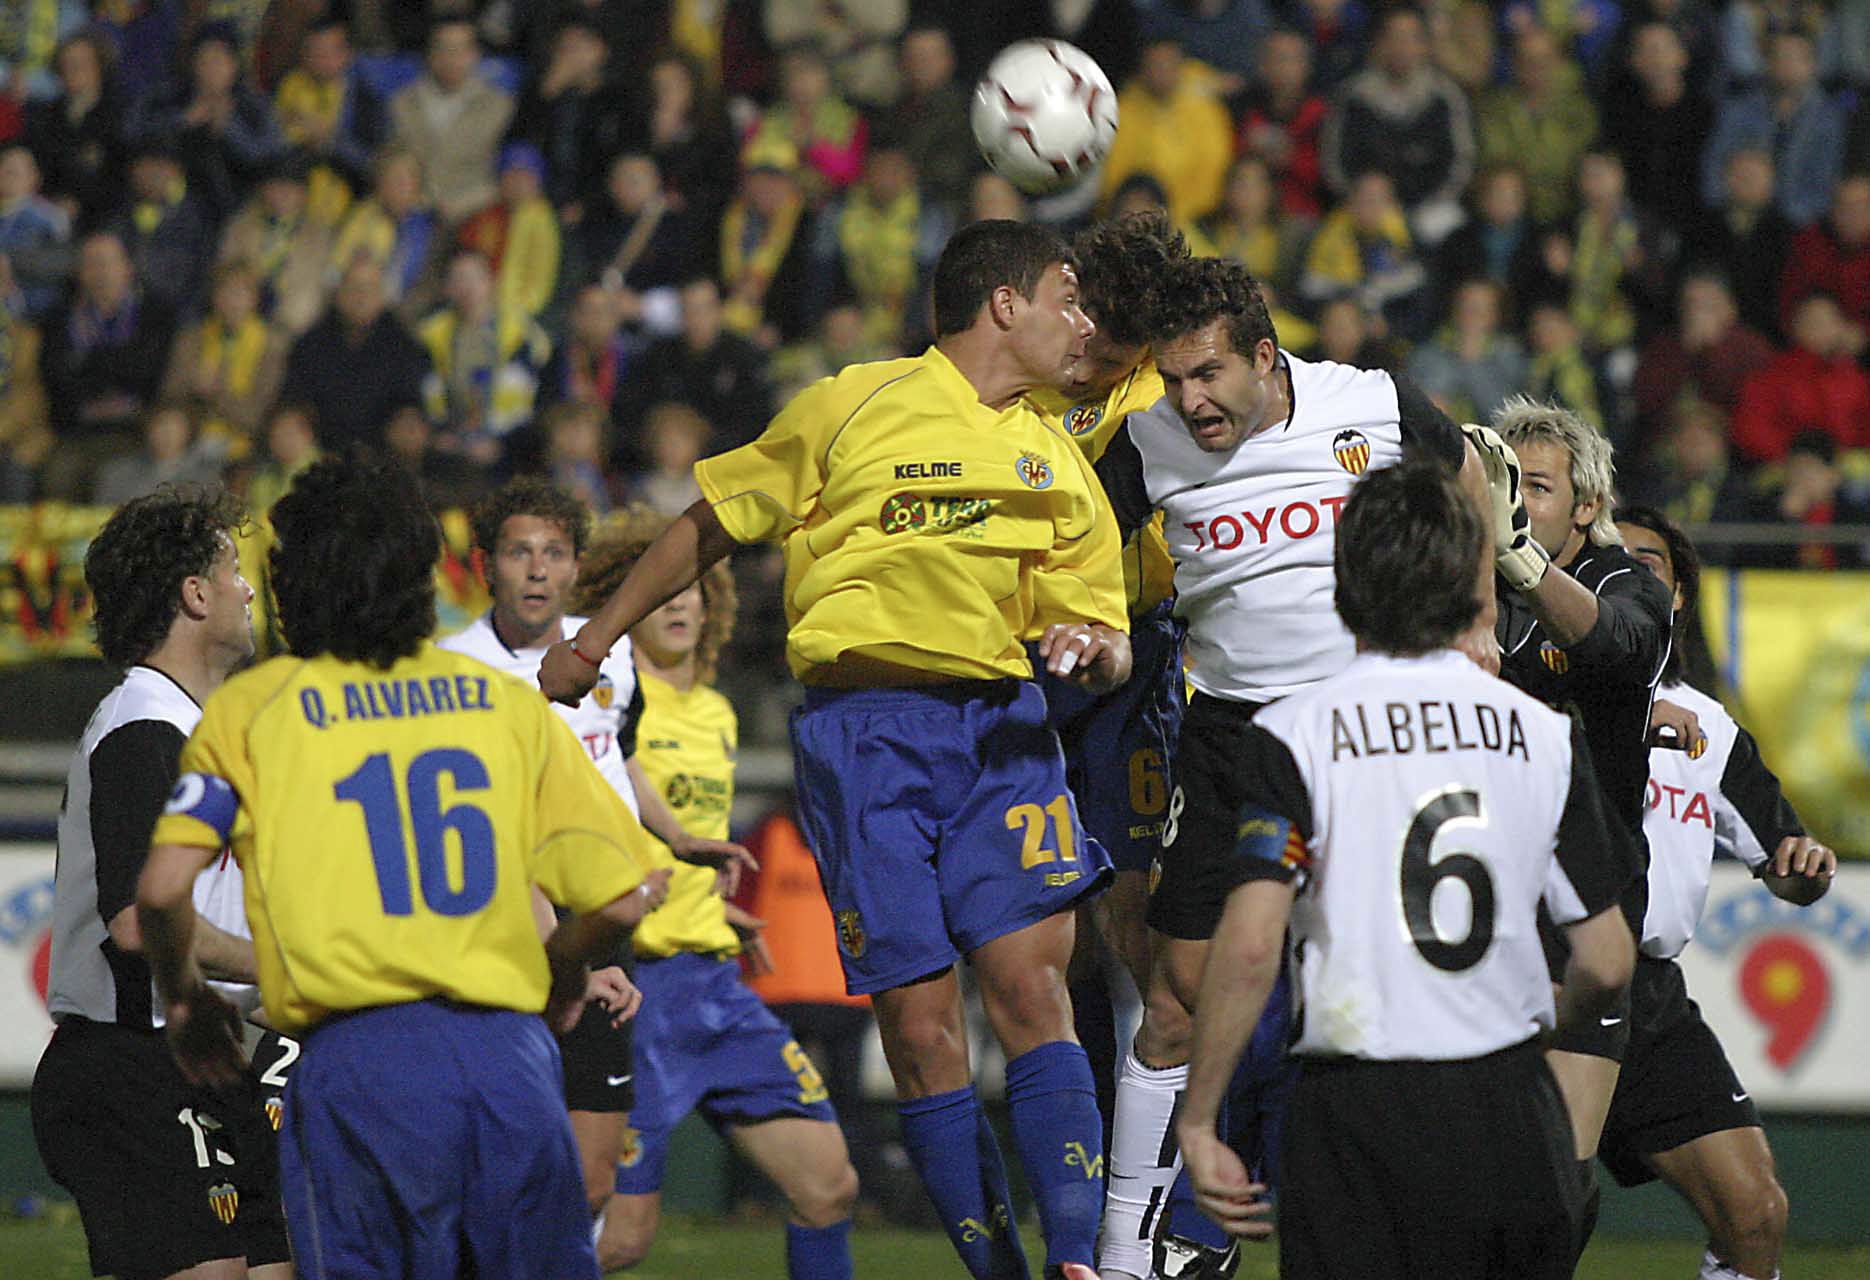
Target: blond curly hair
<point>620,540</point>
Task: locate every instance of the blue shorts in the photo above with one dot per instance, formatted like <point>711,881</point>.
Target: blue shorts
<point>705,1041</point>
<point>429,1141</point>
<point>1260,1093</point>
<point>1118,747</point>
<point>941,821</point>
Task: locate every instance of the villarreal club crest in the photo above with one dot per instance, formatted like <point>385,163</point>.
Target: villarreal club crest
<point>1034,471</point>
<point>1082,419</point>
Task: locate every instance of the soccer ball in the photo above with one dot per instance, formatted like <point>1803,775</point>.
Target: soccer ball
<point>1044,115</point>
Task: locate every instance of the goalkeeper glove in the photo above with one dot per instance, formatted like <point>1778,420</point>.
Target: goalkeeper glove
<point>1516,555</point>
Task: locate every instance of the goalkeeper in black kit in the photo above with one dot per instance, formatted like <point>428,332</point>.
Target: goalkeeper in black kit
<point>1584,627</point>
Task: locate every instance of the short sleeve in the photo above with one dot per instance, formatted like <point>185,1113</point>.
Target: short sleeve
<point>764,489</point>
<point>1273,840</point>
<point>1596,859</point>
<point>1425,429</point>
<point>590,849</point>
<point>132,771</point>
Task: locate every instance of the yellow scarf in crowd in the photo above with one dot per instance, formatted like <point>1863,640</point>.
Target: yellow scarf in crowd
<point>762,263</point>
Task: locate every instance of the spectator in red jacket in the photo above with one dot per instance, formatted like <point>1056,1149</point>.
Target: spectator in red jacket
<point>1708,353</point>
<point>1282,120</point>
<point>1834,256</point>
<point>1814,386</point>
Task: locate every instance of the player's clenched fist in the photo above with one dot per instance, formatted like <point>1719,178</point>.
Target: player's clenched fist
<point>1804,856</point>
<point>1520,559</point>
<point>568,673</point>
<point>1089,653</point>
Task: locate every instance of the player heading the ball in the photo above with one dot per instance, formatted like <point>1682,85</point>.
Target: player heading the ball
<point>933,523</point>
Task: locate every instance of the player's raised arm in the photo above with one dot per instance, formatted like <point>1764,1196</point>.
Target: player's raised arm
<point>1550,480</point>
<point>675,561</point>
<point>756,493</point>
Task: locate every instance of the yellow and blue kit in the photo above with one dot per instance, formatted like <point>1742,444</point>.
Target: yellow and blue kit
<point>705,1039</point>
<point>391,824</point>
<point>927,538</point>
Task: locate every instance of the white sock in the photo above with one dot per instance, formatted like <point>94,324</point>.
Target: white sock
<point>1712,1268</point>
<point>1139,1180</point>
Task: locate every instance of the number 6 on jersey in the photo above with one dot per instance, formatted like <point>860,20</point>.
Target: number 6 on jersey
<point>1422,873</point>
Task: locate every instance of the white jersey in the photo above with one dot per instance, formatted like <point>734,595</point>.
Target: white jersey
<point>1427,809</point>
<point>116,787</point>
<point>1727,799</point>
<point>1252,531</point>
<point>604,719</point>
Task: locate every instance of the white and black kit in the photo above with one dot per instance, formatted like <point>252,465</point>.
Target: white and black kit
<point>596,1055</point>
<point>1608,682</point>
<point>1677,1084</point>
<point>1425,811</point>
<point>1252,532</point>
<point>166,1175</point>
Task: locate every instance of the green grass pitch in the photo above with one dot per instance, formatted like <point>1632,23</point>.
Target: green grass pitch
<point>690,1247</point>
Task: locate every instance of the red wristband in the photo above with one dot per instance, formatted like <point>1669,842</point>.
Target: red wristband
<point>579,653</point>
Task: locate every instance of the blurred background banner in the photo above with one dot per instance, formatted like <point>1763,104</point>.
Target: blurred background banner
<point>1787,989</point>
<point>1793,653</point>
<point>25,950</point>
<point>45,610</point>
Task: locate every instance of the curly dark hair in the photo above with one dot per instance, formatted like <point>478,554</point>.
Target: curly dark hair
<point>531,496</point>
<point>353,567</point>
<point>619,544</point>
<point>1119,265</point>
<point>136,565</point>
<point>1192,293</point>
<point>1408,559</point>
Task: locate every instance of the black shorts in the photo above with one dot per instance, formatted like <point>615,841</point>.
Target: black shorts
<point>1677,1084</point>
<point>597,1061</point>
<point>166,1175</point>
<point>1196,868</point>
<point>1607,1036</point>
<point>1438,1170</point>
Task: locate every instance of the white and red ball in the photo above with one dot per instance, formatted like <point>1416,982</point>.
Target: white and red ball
<point>1044,115</point>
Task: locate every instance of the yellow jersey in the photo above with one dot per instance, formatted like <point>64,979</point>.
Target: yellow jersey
<point>1148,573</point>
<point>686,743</point>
<point>391,825</point>
<point>923,531</point>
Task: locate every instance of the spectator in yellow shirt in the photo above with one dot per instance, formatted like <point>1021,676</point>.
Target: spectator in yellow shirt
<point>518,233</point>
<point>1174,129</point>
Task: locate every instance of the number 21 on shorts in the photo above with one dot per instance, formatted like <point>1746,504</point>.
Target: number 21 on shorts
<point>1031,821</point>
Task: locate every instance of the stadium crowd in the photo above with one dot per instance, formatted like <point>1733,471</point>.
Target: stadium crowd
<point>603,238</point>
